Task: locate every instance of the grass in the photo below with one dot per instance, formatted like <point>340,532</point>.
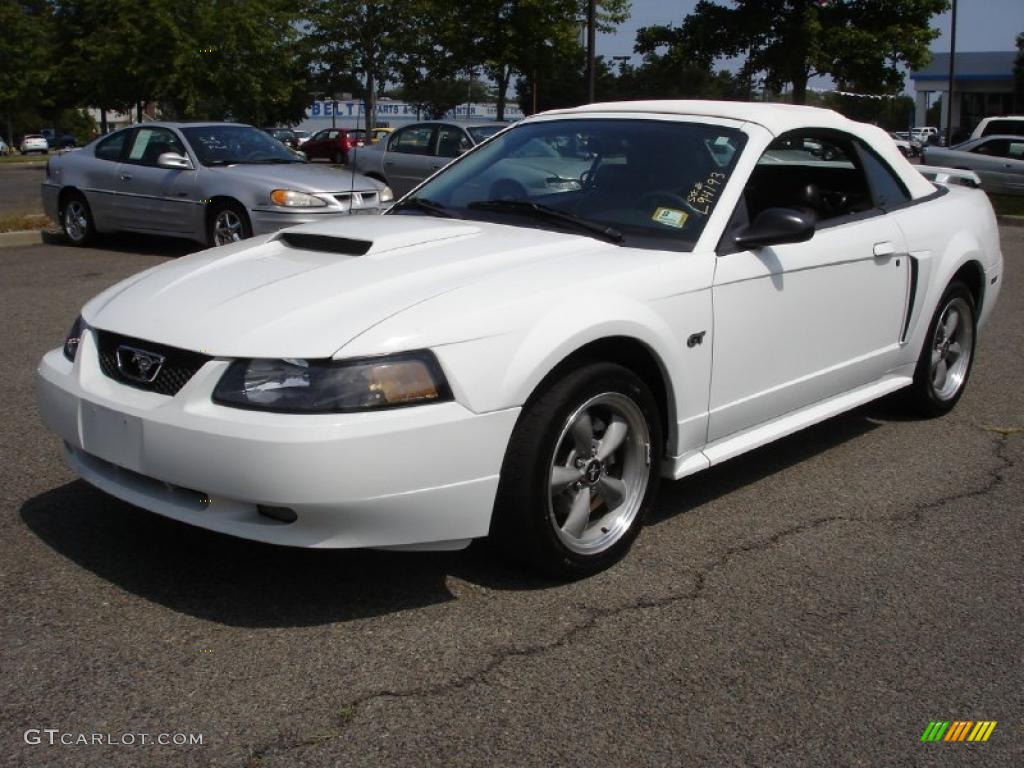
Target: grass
<point>1008,205</point>
<point>15,222</point>
<point>16,159</point>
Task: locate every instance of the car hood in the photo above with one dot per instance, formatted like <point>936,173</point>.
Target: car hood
<point>304,177</point>
<point>278,297</point>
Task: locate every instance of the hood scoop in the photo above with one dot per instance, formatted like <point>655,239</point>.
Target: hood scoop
<point>325,243</point>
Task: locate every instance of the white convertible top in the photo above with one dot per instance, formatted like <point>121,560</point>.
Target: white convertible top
<point>775,118</point>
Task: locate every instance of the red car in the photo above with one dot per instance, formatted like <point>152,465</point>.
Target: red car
<point>332,144</point>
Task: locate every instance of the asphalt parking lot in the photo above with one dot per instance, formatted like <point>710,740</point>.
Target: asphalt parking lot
<point>815,603</point>
<point>19,187</point>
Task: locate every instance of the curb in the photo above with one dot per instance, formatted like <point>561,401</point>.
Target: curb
<point>25,237</point>
<point>1010,221</point>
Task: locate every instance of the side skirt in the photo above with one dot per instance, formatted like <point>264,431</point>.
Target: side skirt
<point>733,445</point>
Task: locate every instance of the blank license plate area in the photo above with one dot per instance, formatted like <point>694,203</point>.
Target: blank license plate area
<point>114,436</point>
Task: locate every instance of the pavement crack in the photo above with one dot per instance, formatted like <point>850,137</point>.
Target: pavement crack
<point>593,616</point>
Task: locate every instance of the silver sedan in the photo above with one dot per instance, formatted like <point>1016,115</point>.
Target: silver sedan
<point>211,182</point>
<point>998,161</point>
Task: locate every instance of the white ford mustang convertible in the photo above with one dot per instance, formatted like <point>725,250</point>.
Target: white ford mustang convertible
<point>592,300</point>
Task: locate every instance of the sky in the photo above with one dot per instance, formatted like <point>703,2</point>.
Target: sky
<point>981,25</point>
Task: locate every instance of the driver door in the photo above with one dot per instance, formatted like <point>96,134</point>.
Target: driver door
<point>798,323</point>
<point>153,198</point>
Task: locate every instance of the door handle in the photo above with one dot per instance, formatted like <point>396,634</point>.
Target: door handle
<point>126,177</point>
<point>884,249</point>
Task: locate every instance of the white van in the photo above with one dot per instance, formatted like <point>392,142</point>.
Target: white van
<point>1008,125</point>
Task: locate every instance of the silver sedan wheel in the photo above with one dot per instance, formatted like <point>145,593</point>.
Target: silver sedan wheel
<point>227,227</point>
<point>76,221</point>
<point>599,473</point>
<point>952,347</point>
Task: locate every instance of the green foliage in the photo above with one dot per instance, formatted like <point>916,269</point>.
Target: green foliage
<point>26,64</point>
<point>861,44</point>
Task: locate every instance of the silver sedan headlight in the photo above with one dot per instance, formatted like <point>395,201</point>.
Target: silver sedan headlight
<point>333,386</point>
<point>290,198</point>
<point>386,195</point>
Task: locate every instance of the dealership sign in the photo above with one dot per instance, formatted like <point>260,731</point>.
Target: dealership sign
<point>401,109</point>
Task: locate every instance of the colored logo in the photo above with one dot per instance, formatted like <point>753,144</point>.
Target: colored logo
<point>958,730</point>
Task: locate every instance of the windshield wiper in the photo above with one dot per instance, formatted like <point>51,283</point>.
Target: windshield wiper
<point>428,206</point>
<point>212,163</point>
<point>528,208</point>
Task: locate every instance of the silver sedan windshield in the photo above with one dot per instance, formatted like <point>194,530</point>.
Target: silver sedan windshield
<point>236,144</point>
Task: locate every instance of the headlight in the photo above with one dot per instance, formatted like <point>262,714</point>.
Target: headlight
<point>289,198</point>
<point>333,386</point>
<point>74,336</point>
<point>386,195</point>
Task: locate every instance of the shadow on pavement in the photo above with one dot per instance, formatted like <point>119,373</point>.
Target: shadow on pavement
<point>126,242</point>
<point>249,584</point>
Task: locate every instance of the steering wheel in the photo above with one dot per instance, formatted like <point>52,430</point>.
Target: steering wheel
<point>658,196</point>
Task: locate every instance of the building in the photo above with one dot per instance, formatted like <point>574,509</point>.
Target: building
<point>982,87</point>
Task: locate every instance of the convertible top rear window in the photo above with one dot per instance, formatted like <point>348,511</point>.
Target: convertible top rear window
<point>655,182</point>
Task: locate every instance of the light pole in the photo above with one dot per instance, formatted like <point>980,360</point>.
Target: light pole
<point>591,49</point>
<point>952,74</point>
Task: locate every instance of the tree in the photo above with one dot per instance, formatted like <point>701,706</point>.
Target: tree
<point>365,38</point>
<point>861,44</point>
<point>25,53</point>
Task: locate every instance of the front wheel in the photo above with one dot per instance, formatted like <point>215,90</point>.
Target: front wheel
<point>228,223</point>
<point>580,472</point>
<point>945,361</point>
<point>76,219</point>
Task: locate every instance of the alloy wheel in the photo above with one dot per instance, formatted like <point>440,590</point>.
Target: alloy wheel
<point>227,227</point>
<point>599,473</point>
<point>76,221</point>
<point>952,347</point>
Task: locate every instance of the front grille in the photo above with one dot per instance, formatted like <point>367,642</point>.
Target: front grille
<point>178,367</point>
<point>367,199</point>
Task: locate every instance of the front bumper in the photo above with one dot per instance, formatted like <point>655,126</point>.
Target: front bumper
<point>265,222</point>
<point>421,477</point>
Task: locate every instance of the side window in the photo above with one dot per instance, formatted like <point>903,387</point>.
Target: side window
<point>1004,126</point>
<point>333,134</point>
<point>1016,150</point>
<point>318,136</point>
<point>150,143</point>
<point>886,186</point>
<point>817,173</point>
<point>993,148</point>
<point>414,140</point>
<point>110,148</point>
<point>451,141</point>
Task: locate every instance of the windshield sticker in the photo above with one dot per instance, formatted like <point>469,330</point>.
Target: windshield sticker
<point>704,193</point>
<point>671,217</point>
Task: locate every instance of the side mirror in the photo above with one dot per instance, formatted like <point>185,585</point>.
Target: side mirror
<point>175,161</point>
<point>776,226</point>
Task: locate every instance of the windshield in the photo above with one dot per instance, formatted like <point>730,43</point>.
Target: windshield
<point>654,182</point>
<point>234,144</point>
<point>481,132</point>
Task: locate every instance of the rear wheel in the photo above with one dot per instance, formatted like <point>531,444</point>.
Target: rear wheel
<point>948,354</point>
<point>580,472</point>
<point>228,223</point>
<point>76,219</point>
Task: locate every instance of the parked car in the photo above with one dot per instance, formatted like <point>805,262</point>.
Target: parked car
<point>211,182</point>
<point>998,161</point>
<point>909,147</point>
<point>5,149</point>
<point>34,142</point>
<point>285,135</point>
<point>530,368</point>
<point>380,134</point>
<point>301,136</point>
<point>926,134</point>
<point>414,152</point>
<point>1008,125</point>
<point>330,144</point>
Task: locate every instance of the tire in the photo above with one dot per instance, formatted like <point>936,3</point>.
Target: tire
<point>945,362</point>
<point>76,219</point>
<point>570,516</point>
<point>227,223</point>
